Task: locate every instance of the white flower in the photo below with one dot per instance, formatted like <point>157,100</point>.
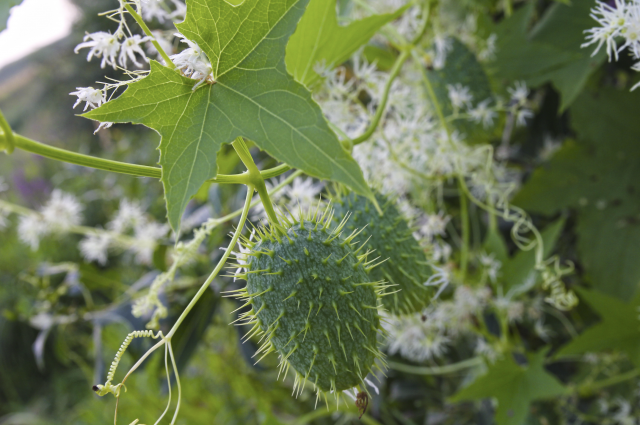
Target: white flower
<point>489,50</point>
<point>95,247</point>
<point>192,61</point>
<point>130,47</point>
<point>441,278</point>
<point>181,10</point>
<point>154,9</point>
<point>491,265</point>
<point>519,93</point>
<point>459,95</point>
<point>164,43</point>
<point>62,211</point>
<point>443,46</point>
<point>146,239</point>
<point>631,30</point>
<point>441,251</point>
<point>483,114</point>
<point>101,44</point>
<point>542,331</point>
<point>303,192</point>
<point>414,339</point>
<point>623,415</point>
<point>486,350</point>
<point>242,257</point>
<point>469,300</point>
<point>31,228</point>
<point>514,310</point>
<point>93,97</point>
<point>612,21</point>
<point>432,225</point>
<point>522,116</point>
<point>130,215</point>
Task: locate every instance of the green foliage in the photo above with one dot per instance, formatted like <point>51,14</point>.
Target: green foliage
<point>597,176</point>
<point>618,329</point>
<point>253,96</point>
<point>518,272</point>
<point>404,263</point>
<point>550,51</point>
<point>319,39</point>
<point>311,296</point>
<point>462,67</point>
<point>514,386</point>
<point>5,8</point>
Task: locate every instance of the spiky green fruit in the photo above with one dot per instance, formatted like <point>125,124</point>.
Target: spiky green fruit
<point>313,302</point>
<point>389,235</point>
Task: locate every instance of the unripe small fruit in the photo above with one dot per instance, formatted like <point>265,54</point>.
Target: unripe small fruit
<point>389,235</point>
<point>313,302</point>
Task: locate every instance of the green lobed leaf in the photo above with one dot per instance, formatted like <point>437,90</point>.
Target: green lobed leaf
<point>598,177</point>
<point>514,386</point>
<point>462,67</point>
<point>253,97</point>
<point>618,329</point>
<point>550,51</point>
<point>320,39</point>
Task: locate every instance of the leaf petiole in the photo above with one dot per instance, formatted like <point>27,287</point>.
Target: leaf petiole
<point>64,155</point>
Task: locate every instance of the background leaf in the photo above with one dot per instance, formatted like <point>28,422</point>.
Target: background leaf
<point>618,330</point>
<point>514,386</point>
<point>320,39</point>
<point>598,177</point>
<point>551,51</point>
<point>257,99</point>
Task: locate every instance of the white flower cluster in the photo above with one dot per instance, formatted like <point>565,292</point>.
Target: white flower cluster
<point>61,213</point>
<point>122,47</point>
<point>141,235</point>
<point>130,229</point>
<point>617,21</point>
<point>426,336</point>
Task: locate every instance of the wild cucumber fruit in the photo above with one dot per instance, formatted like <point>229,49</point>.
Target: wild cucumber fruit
<point>389,235</point>
<point>313,301</point>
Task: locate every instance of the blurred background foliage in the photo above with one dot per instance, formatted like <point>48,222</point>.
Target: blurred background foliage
<point>586,194</point>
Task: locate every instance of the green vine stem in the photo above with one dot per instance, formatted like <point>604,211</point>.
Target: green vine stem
<point>437,370</point>
<point>395,71</point>
<point>256,180</point>
<point>8,136</point>
<point>196,297</point>
<point>587,389</point>
<point>64,155</point>
<point>464,250</point>
<point>147,31</point>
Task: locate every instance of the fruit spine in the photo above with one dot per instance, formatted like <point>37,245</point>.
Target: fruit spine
<point>389,235</point>
<point>312,302</point>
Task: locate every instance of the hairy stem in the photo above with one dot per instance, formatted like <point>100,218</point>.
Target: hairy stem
<point>147,31</point>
